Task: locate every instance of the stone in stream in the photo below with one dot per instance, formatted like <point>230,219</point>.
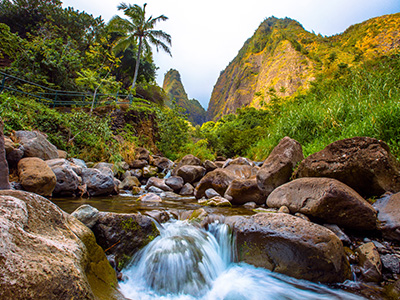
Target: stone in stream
<point>48,254</point>
<point>365,164</point>
<point>190,173</point>
<point>175,182</point>
<point>129,182</point>
<point>36,176</point>
<point>291,246</point>
<point>325,199</point>
<point>188,160</point>
<point>241,191</point>
<point>159,183</point>
<point>67,180</point>
<point>98,182</point>
<point>388,209</point>
<point>370,262</point>
<point>187,190</point>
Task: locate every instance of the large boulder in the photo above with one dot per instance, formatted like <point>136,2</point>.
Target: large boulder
<point>388,209</point>
<point>188,160</point>
<point>47,254</point>
<point>241,191</point>
<point>175,182</point>
<point>122,235</point>
<point>220,179</point>
<point>290,245</point>
<point>98,182</point>
<point>190,173</point>
<point>363,163</point>
<point>327,200</point>
<point>129,182</point>
<point>36,176</point>
<point>67,180</point>
<point>162,163</point>
<point>142,154</point>
<point>4,182</point>
<point>278,167</point>
<point>36,145</point>
<point>159,183</point>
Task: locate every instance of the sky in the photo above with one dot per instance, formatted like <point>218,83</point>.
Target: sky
<point>207,34</point>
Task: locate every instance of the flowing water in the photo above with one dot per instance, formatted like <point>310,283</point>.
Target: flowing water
<point>187,263</point>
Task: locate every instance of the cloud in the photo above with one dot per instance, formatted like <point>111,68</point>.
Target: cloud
<point>207,34</point>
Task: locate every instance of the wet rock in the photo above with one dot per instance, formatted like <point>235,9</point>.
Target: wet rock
<point>163,163</point>
<point>36,145</point>
<point>138,164</point>
<point>191,173</point>
<point>278,167</point>
<point>363,163</point>
<point>195,216</point>
<point>215,201</point>
<point>239,161</point>
<point>291,246</point>
<point>187,190</point>
<point>155,190</point>
<point>137,173</point>
<point>122,235</point>
<point>209,166</point>
<point>211,193</point>
<point>136,190</point>
<point>159,183</point>
<point>87,214</point>
<point>48,254</point>
<point>98,182</point>
<point>391,262</point>
<point>36,176</point>
<point>150,197</point>
<point>67,180</point>
<point>241,191</point>
<point>369,262</point>
<point>250,205</point>
<point>326,199</point>
<point>159,215</point>
<point>175,182</point>
<point>129,182</point>
<point>388,209</point>
<point>149,171</point>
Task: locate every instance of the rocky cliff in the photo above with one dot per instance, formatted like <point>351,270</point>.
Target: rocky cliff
<point>282,58</point>
<point>176,93</point>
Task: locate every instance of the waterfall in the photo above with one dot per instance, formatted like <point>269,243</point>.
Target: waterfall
<point>189,263</point>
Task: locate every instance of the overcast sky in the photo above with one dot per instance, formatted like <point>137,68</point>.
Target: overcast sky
<point>207,34</point>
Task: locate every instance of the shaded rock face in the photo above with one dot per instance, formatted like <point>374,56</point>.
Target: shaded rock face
<point>370,262</point>
<point>327,200</point>
<point>278,167</point>
<point>67,180</point>
<point>36,145</point>
<point>122,235</point>
<point>36,176</point>
<point>291,246</point>
<point>98,182</point>
<point>48,254</point>
<point>175,182</point>
<point>363,163</point>
<point>388,209</point>
<point>4,183</point>
<point>190,173</point>
<point>241,191</point>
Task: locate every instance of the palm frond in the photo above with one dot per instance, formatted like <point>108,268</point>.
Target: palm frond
<point>159,44</point>
<point>160,35</point>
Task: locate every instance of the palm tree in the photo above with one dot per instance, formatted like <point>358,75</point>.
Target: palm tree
<point>139,31</point>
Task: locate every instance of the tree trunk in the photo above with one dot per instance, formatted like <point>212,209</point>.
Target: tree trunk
<point>4,183</point>
<point>137,64</point>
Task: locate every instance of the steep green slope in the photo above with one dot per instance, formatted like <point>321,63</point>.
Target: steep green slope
<point>176,93</point>
<point>282,58</point>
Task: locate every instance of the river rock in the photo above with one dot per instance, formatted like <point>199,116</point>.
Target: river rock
<point>138,164</point>
<point>291,246</point>
<point>9,145</point>
<point>123,235</point>
<point>325,199</point>
<point>187,190</point>
<point>175,182</point>
<point>67,180</point>
<point>215,201</point>
<point>14,157</point>
<point>370,262</point>
<point>209,193</point>
<point>149,171</point>
<point>162,163</point>
<point>388,209</point>
<point>129,182</point>
<point>98,182</point>
<point>278,167</point>
<point>137,173</point>
<point>4,172</point>
<point>79,163</point>
<point>87,214</point>
<point>151,197</point>
<point>241,191</point>
<point>36,145</point>
<point>363,163</point>
<point>159,183</point>
<point>209,165</point>
<point>142,154</point>
<point>220,179</point>
<point>238,161</point>
<point>188,160</point>
<point>191,173</point>
<point>36,176</point>
<point>48,254</point>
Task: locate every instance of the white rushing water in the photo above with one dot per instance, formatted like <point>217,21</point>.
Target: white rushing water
<point>189,263</point>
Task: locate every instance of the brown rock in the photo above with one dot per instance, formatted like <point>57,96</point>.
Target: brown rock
<point>9,145</point>
<point>326,199</point>
<point>191,173</point>
<point>370,262</point>
<point>142,154</point>
<point>388,209</point>
<point>138,164</point>
<point>278,167</point>
<point>4,183</point>
<point>175,182</point>
<point>62,153</point>
<point>209,166</point>
<point>365,164</point>
<point>150,197</point>
<point>36,176</point>
<point>291,246</point>
<point>48,254</point>
<point>159,183</point>
<point>187,190</point>
<point>241,191</point>
<point>188,160</point>
<point>129,182</point>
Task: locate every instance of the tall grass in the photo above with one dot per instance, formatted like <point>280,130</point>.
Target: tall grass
<point>363,102</point>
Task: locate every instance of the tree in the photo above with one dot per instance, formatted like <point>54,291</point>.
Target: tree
<point>139,31</point>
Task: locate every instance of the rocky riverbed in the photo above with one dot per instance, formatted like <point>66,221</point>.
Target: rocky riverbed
<point>333,217</point>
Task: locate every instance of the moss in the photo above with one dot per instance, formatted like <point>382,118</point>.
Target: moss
<point>129,225</point>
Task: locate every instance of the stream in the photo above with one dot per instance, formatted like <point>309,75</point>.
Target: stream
<point>190,263</point>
